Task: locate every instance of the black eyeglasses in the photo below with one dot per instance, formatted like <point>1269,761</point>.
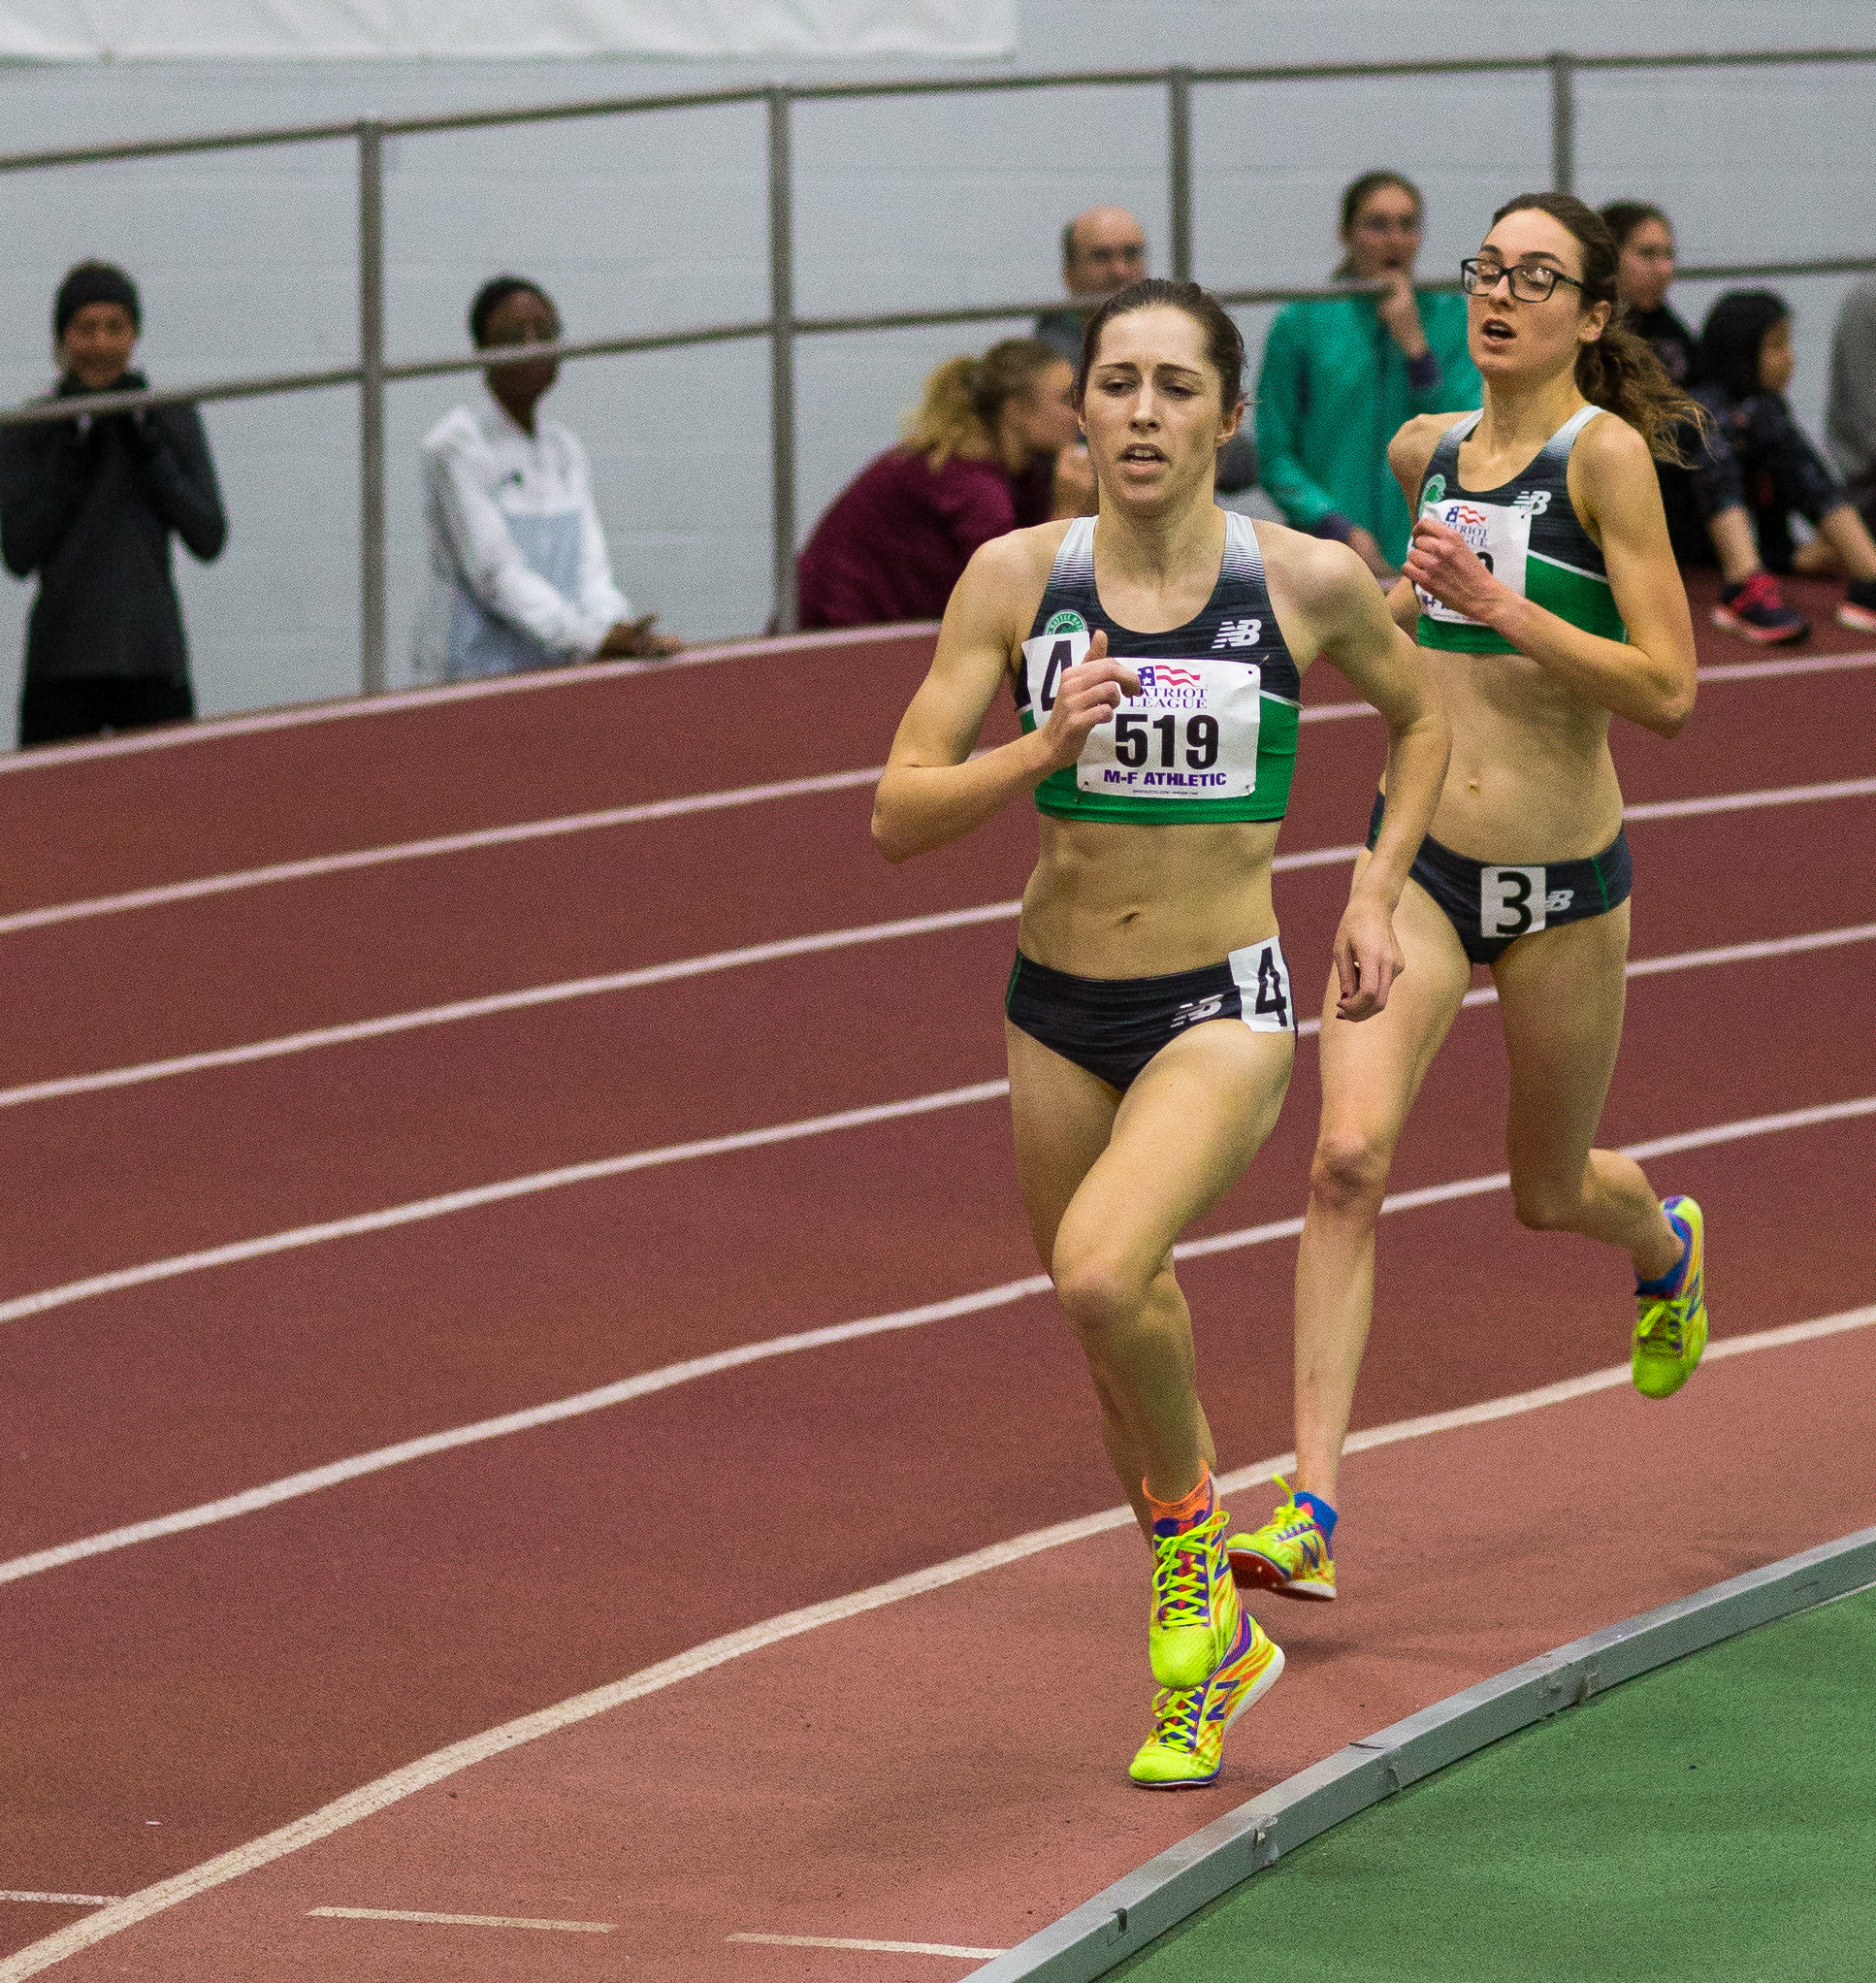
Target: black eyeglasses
<point>1531,282</point>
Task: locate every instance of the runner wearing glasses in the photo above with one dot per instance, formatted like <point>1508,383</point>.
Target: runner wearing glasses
<point>1542,575</point>
<point>1154,654</point>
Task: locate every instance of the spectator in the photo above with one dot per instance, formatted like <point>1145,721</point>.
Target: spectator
<point>519,576</point>
<point>1701,493</point>
<point>89,504</point>
<point>1102,252</point>
<point>978,459</point>
<point>1745,365</point>
<point>1850,424</point>
<point>1341,376</point>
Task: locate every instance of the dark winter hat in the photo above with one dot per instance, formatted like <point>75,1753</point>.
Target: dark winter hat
<point>94,282</point>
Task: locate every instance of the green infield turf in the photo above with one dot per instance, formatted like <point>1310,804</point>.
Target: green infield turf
<point>1716,1819</point>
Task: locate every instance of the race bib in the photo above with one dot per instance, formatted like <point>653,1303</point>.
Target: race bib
<point>1191,733</point>
<point>1512,901</point>
<point>1500,536</point>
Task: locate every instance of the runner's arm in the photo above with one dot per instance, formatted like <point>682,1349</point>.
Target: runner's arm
<point>1356,631</point>
<point>1649,678</point>
<point>933,790</point>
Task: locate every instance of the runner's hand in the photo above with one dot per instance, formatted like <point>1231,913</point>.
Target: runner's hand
<point>1439,561</point>
<point>1368,958</point>
<point>1087,696</point>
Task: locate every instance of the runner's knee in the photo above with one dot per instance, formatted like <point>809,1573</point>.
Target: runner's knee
<point>1099,1288</point>
<point>1349,1172</point>
<point>1546,1205</point>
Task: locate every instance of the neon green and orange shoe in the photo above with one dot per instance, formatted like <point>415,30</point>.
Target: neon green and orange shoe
<point>1288,1556</point>
<point>1195,1613</point>
<point>1670,1328</point>
<point>1185,1750</point>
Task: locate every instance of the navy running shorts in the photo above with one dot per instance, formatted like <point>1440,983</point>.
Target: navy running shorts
<point>1492,906</point>
<point>1113,1026</point>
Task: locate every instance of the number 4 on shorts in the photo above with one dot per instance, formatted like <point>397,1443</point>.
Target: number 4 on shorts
<point>1273,987</point>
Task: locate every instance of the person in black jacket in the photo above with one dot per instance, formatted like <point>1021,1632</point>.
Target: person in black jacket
<point>1704,493</point>
<point>88,505</point>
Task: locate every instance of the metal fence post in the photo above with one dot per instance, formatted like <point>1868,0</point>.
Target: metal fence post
<point>781,358</point>
<point>1179,176</point>
<point>370,408</point>
<point>1562,122</point>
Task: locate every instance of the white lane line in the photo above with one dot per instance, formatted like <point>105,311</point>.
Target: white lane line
<point>370,1798</point>
<point>22,1305</point>
<point>68,1899</point>
<point>1750,801</point>
<point>314,1479</point>
<point>490,1194</point>
<point>213,728</point>
<point>447,843</point>
<point>506,1001</point>
<point>495,1003</point>
<point>459,1920</point>
<point>1794,664</point>
<point>716,801</point>
<point>877,1948</point>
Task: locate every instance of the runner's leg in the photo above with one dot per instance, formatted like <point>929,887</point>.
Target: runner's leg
<point>1372,1070</point>
<point>1106,1211</point>
<point>1560,994</point>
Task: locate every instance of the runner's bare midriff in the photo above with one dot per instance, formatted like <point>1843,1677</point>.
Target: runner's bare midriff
<point>1530,778</point>
<point>1108,900</point>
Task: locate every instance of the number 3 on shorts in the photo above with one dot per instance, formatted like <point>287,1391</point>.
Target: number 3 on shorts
<point>1511,901</point>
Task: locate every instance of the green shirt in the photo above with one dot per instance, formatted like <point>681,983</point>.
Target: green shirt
<point>1333,390</point>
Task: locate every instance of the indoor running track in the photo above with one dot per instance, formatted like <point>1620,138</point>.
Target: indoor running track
<point>380,1079</point>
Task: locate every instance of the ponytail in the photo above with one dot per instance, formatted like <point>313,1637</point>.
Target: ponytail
<point>1618,371</point>
<point>1622,373</point>
<point>964,397</point>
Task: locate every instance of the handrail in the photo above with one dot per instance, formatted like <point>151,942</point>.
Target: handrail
<point>100,406</point>
<point>782,326</point>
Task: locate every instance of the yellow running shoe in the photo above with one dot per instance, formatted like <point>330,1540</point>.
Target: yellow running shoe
<point>1670,1329</point>
<point>1185,1750</point>
<point>1195,1603</point>
<point>1288,1556</point>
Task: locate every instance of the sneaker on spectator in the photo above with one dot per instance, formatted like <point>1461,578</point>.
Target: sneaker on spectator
<point>1858,607</point>
<point>1755,610</point>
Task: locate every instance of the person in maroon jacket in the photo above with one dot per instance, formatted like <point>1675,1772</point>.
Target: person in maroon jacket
<point>994,445</point>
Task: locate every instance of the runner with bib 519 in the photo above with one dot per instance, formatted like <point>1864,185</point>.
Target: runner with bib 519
<point>1541,576</point>
<point>1154,653</point>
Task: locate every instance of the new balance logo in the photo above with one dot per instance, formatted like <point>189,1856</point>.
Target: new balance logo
<point>1237,634</point>
<point>1533,502</point>
<point>1557,900</point>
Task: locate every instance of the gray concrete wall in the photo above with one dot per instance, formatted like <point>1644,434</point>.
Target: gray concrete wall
<point>246,261</point>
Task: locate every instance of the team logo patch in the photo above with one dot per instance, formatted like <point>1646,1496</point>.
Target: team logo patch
<point>1237,634</point>
<point>1434,492</point>
<point>1066,623</point>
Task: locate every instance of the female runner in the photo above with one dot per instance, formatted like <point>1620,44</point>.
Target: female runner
<point>1154,654</point>
<point>1547,584</point>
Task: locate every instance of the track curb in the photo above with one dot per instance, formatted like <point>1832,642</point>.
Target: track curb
<point>1122,1921</point>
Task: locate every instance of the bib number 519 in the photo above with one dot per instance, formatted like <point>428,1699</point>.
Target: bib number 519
<point>1138,739</point>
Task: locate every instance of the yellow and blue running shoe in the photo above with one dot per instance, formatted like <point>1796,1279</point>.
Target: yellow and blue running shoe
<point>1185,1750</point>
<point>1195,1603</point>
<point>1288,1556</point>
<point>1670,1322</point>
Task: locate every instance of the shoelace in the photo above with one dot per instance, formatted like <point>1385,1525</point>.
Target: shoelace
<point>1178,1718</point>
<point>1181,1589</point>
<point>1658,1318</point>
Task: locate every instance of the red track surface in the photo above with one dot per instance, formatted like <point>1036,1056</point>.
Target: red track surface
<point>228,1680</point>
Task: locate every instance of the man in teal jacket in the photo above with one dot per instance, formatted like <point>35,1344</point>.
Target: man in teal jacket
<point>1339,377</point>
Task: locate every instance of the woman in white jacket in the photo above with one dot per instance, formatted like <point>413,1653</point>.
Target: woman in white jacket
<point>519,576</point>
